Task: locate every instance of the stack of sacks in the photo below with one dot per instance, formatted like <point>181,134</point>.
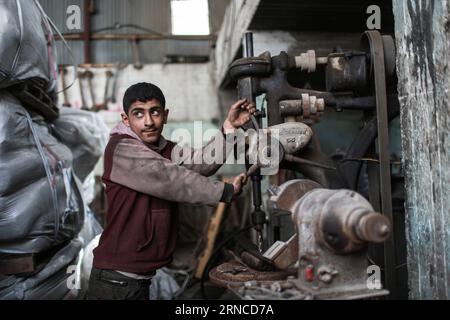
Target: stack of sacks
<point>24,53</point>
<point>42,164</point>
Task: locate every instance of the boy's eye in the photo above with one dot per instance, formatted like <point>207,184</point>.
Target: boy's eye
<point>138,114</point>
<point>155,112</point>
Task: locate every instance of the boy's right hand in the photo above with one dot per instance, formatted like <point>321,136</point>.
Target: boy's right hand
<point>238,182</point>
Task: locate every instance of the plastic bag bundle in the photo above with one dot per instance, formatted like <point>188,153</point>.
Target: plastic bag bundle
<point>61,277</point>
<point>85,134</point>
<point>41,205</point>
<point>24,53</point>
<point>54,281</point>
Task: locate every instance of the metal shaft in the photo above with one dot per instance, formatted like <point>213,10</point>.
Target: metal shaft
<point>258,216</point>
<point>82,96</point>
<point>248,44</point>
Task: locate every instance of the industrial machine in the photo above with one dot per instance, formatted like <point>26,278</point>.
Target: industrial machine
<point>334,225</point>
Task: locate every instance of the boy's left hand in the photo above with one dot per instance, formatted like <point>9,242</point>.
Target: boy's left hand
<point>238,115</point>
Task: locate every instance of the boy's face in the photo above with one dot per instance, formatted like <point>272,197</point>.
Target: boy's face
<point>146,119</point>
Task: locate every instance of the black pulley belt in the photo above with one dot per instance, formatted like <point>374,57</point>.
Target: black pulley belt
<point>379,73</point>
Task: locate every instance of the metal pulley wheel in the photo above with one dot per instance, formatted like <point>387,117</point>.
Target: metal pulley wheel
<point>389,51</point>
<point>251,66</point>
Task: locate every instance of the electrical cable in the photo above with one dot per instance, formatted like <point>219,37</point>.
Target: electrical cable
<point>118,26</point>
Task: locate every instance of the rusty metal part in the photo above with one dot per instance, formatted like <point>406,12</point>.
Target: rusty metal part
<point>251,66</point>
<point>283,254</point>
<point>269,75</point>
<point>113,92</point>
<point>290,138</point>
<point>281,199</point>
<point>86,34</point>
<point>246,90</point>
<point>278,89</point>
<point>272,290</point>
<point>373,227</point>
<point>326,273</point>
<point>251,248</point>
<point>106,98</point>
<point>255,262</point>
<point>140,36</point>
<point>89,75</point>
<point>66,102</point>
<point>293,136</point>
<point>137,64</point>
<point>359,103</point>
<point>334,228</point>
<point>290,290</point>
<point>308,109</point>
<point>346,221</point>
<point>235,274</point>
<point>306,61</point>
<point>347,72</point>
<point>104,104</point>
<point>289,192</point>
<point>108,75</point>
<point>389,55</point>
<point>81,76</point>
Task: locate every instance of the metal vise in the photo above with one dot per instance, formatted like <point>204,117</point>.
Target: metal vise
<point>329,249</point>
<point>333,230</point>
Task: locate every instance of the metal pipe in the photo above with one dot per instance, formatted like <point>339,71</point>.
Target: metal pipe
<point>322,60</point>
<point>248,44</point>
<point>139,36</point>
<point>258,216</point>
<point>86,35</point>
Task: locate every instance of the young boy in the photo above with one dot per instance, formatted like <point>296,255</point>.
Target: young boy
<point>143,187</point>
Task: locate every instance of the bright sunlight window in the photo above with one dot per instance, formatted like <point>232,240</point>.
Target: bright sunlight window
<point>190,17</point>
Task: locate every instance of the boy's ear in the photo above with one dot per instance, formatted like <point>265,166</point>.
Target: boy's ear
<point>166,115</point>
<point>125,119</point>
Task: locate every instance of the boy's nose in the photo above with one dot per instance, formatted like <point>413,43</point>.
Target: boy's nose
<point>148,120</point>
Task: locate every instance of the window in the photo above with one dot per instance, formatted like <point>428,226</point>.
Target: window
<point>190,17</point>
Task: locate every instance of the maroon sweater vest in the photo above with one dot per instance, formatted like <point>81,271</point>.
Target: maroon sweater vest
<point>141,230</point>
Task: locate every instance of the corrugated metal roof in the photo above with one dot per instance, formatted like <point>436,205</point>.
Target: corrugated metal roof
<point>56,10</point>
<point>150,14</point>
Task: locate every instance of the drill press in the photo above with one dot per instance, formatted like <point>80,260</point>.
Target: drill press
<point>258,216</point>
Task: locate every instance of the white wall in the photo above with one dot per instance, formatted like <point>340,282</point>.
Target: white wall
<point>188,88</point>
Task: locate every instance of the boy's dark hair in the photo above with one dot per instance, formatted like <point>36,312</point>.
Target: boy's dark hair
<point>143,92</point>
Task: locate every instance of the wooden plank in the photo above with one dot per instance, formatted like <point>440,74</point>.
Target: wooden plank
<point>237,18</point>
<point>16,264</point>
<point>423,44</point>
